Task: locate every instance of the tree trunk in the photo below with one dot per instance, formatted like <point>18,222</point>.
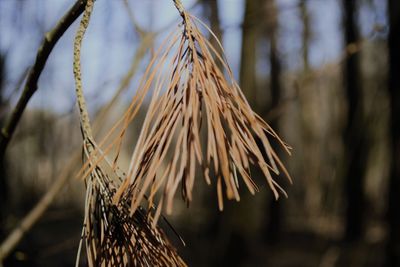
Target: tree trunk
<point>3,171</point>
<point>215,22</point>
<point>230,230</point>
<point>305,17</point>
<point>248,54</point>
<point>212,13</point>
<point>354,135</point>
<point>274,220</point>
<point>220,228</point>
<point>393,252</point>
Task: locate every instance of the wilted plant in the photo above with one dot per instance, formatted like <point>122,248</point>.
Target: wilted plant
<point>111,234</point>
<point>117,231</point>
<point>193,90</point>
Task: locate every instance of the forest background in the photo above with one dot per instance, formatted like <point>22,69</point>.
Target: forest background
<point>323,73</point>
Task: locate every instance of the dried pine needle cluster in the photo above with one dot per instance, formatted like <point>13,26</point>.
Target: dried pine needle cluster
<point>114,237</point>
<point>193,93</point>
<point>111,234</point>
<point>189,94</point>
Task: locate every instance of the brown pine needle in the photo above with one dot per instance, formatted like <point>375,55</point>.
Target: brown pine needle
<point>192,93</point>
<point>112,235</point>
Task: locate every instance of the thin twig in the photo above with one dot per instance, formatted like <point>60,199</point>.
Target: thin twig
<point>49,41</point>
<point>36,213</point>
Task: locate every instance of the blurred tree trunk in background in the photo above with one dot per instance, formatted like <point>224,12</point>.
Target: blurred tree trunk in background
<point>305,17</point>
<point>393,258</point>
<point>213,15</point>
<point>230,228</point>
<point>249,52</point>
<point>221,227</point>
<point>354,135</point>
<point>310,128</point>
<point>215,224</point>
<point>274,220</point>
<point>3,173</point>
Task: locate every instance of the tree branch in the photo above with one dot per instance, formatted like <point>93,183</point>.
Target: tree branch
<point>49,41</point>
<point>16,235</point>
<point>36,213</point>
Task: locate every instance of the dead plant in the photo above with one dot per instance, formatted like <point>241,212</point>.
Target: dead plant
<point>192,90</point>
<point>112,235</point>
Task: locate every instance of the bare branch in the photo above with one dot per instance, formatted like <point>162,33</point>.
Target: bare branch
<point>49,41</point>
<point>36,213</point>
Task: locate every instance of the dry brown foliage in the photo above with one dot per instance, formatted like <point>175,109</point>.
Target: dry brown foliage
<point>111,234</point>
<point>188,90</point>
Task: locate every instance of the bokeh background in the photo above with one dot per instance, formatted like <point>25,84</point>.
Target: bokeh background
<point>321,72</point>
